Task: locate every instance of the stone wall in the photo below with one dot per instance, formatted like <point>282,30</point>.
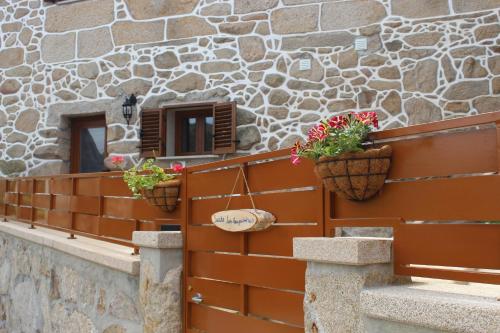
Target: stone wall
<point>47,291</point>
<point>426,60</point>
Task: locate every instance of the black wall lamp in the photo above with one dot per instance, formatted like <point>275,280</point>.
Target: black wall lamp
<point>128,107</point>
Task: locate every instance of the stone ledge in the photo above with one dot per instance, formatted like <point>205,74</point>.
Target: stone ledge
<point>440,310</point>
<point>103,253</point>
<point>158,239</point>
<point>343,250</point>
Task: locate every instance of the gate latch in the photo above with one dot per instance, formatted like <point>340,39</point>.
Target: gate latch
<point>197,298</point>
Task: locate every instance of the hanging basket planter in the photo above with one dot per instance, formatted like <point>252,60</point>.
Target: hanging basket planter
<point>355,176</point>
<point>164,195</point>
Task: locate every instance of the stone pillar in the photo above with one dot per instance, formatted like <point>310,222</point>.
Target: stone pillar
<point>160,280</point>
<point>337,271</point>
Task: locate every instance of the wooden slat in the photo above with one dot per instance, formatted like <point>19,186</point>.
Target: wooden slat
<point>250,270</point>
<point>127,208</point>
<point>87,187</point>
<point>115,187</point>
<point>59,219</point>
<point>215,293</point>
<point>215,321</point>
<point>25,186</point>
<point>454,245</point>
<point>86,223</point>
<point>276,304</point>
<point>41,201</point>
<point>443,155</point>
<point>61,186</point>
<point>41,216</point>
<point>86,205</point>
<point>465,198</point>
<point>24,213</point>
<point>287,207</point>
<point>25,199</point>
<point>264,242</point>
<point>117,228</point>
<point>61,202</point>
<point>10,198</point>
<point>485,118</point>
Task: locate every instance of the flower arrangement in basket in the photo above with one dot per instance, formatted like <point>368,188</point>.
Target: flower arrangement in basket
<point>346,168</point>
<point>152,183</point>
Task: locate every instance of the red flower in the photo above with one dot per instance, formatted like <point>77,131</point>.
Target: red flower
<point>117,160</point>
<point>177,168</point>
<point>338,122</point>
<point>318,133</point>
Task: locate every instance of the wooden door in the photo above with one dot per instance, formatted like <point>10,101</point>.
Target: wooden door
<point>88,144</point>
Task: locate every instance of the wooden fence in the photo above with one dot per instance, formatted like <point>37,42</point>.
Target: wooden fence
<point>97,205</point>
<point>442,199</point>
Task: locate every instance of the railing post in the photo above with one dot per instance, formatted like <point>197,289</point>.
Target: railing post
<point>32,213</point>
<point>497,123</point>
<point>6,188</point>
<point>73,190</point>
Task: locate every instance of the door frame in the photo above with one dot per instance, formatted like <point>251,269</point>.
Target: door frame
<point>77,124</point>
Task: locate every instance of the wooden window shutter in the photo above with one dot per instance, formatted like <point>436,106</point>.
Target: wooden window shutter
<point>224,128</point>
<point>153,133</point>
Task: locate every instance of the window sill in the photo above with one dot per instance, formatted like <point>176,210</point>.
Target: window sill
<point>186,157</point>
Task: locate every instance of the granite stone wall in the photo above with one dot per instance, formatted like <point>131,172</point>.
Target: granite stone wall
<point>426,60</point>
<point>47,291</point>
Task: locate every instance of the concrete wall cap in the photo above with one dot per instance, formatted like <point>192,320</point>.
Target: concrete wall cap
<point>343,250</point>
<point>103,253</point>
<point>158,239</point>
<point>443,311</point>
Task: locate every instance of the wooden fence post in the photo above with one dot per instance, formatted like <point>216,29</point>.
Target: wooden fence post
<point>73,190</point>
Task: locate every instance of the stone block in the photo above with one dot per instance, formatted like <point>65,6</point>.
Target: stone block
<point>158,239</point>
<point>421,111</point>
<point>148,9</point>
<point>295,20</point>
<point>350,14</point>
<point>463,6</point>
<point>252,48</point>
<point>421,8</point>
<point>129,32</point>
<point>79,15</point>
<point>58,48</point>
<point>343,250</point>
<point>467,89</point>
<point>27,121</point>
<point>189,26</point>
<point>11,57</point>
<point>423,78</point>
<point>323,39</point>
<point>249,6</point>
<point>94,43</point>
<point>188,82</point>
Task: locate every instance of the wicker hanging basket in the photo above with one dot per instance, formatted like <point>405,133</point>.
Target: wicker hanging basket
<point>164,195</point>
<point>355,176</point>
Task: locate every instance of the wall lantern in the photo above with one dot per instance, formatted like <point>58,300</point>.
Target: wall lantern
<point>128,107</point>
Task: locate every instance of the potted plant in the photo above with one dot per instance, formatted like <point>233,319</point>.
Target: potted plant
<point>152,183</point>
<point>342,162</point>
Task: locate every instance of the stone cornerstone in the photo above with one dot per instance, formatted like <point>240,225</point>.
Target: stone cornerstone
<point>50,284</point>
<point>425,60</point>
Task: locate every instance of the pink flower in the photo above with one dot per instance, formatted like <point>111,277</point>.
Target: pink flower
<point>295,158</point>
<point>117,160</point>
<point>177,168</point>
<point>337,122</point>
<point>318,133</point>
<point>368,118</point>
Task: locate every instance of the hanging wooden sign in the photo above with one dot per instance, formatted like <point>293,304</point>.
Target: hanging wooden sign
<point>243,220</point>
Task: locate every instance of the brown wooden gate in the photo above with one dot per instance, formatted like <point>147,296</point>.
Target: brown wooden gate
<point>248,281</point>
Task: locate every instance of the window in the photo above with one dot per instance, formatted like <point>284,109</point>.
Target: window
<point>194,133</point>
<point>190,129</point>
